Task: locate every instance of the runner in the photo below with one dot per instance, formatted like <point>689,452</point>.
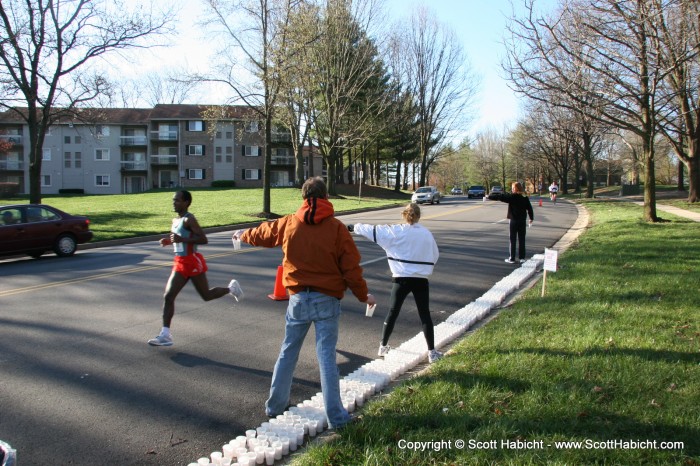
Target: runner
<point>189,264</point>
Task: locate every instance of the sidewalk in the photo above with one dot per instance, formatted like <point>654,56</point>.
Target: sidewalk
<point>639,200</point>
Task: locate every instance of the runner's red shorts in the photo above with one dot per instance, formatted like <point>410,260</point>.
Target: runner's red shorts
<point>190,265</point>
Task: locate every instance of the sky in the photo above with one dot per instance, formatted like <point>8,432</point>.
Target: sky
<point>479,25</point>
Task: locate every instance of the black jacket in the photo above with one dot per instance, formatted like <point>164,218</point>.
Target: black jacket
<point>519,207</point>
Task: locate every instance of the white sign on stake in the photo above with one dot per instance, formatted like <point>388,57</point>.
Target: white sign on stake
<point>550,259</point>
<point>550,264</point>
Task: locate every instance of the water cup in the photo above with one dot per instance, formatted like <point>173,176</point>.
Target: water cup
<point>236,244</point>
<point>370,310</point>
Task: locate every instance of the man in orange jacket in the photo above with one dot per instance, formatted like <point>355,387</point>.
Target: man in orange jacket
<point>320,262</point>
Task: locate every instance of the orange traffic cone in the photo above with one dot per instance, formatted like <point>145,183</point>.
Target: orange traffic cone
<point>540,201</point>
<point>279,293</point>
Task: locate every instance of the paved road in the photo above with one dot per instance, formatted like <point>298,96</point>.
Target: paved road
<point>79,385</point>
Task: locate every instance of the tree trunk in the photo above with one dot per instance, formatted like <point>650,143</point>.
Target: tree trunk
<point>681,184</point>
<point>693,179</point>
<point>267,170</point>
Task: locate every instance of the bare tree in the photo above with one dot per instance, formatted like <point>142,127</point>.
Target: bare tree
<point>252,58</point>
<point>680,122</point>
<point>602,58</point>
<point>47,48</point>
<point>440,78</point>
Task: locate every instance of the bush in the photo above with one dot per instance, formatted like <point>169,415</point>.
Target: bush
<point>223,184</point>
<point>9,189</point>
<point>71,191</point>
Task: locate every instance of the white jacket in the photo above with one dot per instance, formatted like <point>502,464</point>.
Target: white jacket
<point>410,249</point>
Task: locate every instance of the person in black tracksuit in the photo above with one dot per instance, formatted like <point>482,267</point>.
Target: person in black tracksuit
<point>519,208</point>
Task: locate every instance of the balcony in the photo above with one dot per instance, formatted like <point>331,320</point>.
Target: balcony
<point>282,160</point>
<point>131,165</point>
<point>17,165</point>
<point>163,159</point>
<point>280,137</point>
<point>12,138</point>
<point>164,135</point>
<point>134,140</point>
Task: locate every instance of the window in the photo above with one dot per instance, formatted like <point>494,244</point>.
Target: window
<point>67,160</point>
<point>46,154</point>
<point>102,180</point>
<point>101,130</point>
<point>78,159</point>
<point>251,151</point>
<point>251,174</point>
<point>229,134</point>
<point>218,135</point>
<point>251,126</point>
<point>45,180</point>
<point>195,149</point>
<point>196,125</point>
<point>66,139</point>
<point>102,154</point>
<point>78,140</point>
<point>195,174</point>
<point>280,152</point>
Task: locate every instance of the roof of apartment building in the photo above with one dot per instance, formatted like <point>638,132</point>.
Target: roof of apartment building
<point>131,116</point>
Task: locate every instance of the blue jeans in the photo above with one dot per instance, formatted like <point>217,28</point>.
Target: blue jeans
<point>324,311</point>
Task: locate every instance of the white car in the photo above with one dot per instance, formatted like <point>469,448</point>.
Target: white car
<point>426,194</point>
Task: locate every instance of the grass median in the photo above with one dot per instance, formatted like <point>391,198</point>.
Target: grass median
<point>608,361</point>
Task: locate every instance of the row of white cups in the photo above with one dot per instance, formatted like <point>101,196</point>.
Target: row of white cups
<point>279,436</point>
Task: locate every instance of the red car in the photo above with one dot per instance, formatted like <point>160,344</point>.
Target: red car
<point>34,229</point>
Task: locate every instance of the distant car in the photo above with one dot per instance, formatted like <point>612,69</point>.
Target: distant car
<point>33,229</point>
<point>426,194</point>
<point>476,191</point>
<point>496,189</point>
<point>456,191</point>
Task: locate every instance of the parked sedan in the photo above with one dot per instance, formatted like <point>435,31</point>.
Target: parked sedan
<point>34,229</point>
<point>456,191</point>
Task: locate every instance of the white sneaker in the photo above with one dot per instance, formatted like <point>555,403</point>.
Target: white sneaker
<point>161,340</point>
<point>510,261</point>
<point>383,350</point>
<point>434,355</point>
<point>235,290</point>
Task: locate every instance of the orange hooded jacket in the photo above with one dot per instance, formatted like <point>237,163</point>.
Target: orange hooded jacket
<point>319,251</point>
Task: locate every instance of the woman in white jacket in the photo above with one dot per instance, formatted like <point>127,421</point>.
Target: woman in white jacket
<point>412,254</point>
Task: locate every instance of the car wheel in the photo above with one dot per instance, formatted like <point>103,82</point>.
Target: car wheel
<point>438,200</point>
<point>65,246</point>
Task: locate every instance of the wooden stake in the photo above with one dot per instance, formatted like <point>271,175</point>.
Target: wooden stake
<point>544,281</point>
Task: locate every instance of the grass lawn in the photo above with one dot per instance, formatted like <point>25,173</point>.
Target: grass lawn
<point>610,354</point>
<point>129,215</point>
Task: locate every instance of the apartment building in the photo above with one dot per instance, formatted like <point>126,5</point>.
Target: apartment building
<point>119,151</point>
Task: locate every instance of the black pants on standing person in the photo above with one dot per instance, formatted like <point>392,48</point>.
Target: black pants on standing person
<point>400,289</point>
<point>517,237</point>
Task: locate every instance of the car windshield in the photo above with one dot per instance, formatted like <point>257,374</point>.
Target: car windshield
<point>423,190</point>
<point>474,188</point>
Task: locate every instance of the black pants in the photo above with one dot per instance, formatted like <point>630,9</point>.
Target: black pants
<point>517,233</point>
<point>421,293</point>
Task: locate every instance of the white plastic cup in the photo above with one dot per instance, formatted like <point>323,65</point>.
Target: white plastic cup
<point>216,457</point>
<point>236,244</point>
<point>370,310</point>
<point>259,454</point>
<point>269,456</point>
<point>203,461</point>
<point>277,445</point>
